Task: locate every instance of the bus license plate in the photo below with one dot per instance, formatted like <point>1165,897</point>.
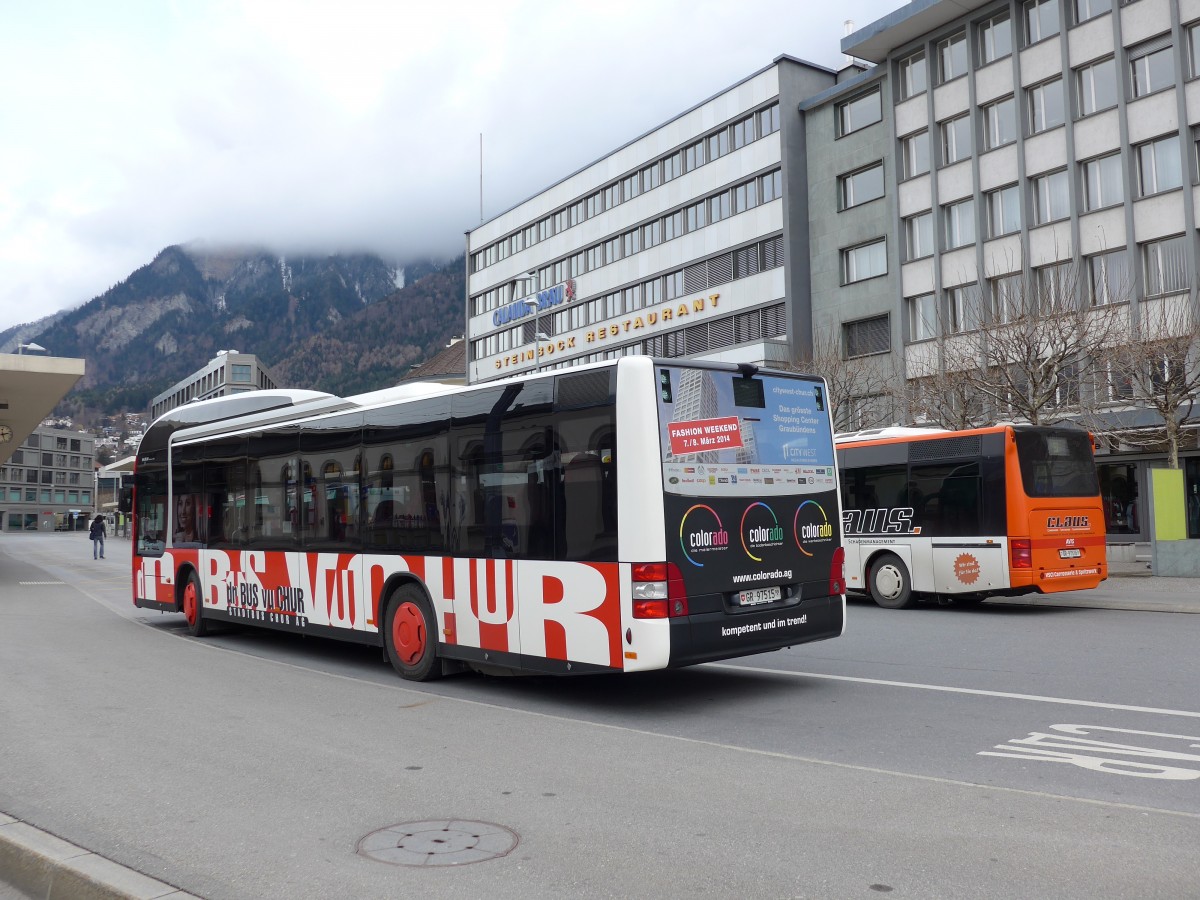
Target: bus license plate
<point>1074,553</point>
<point>756,596</point>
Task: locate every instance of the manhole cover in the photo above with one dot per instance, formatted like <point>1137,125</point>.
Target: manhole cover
<point>440,842</point>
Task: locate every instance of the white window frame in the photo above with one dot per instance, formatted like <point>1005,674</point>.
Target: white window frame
<point>1094,196</point>
<point>849,189</point>
<point>951,54</point>
<point>922,317</point>
<point>1006,202</point>
<point>906,69</point>
<point>1159,165</point>
<point>1040,20</point>
<point>958,223</point>
<point>1085,86</point>
<point>848,112</point>
<point>908,154</point>
<point>993,133</point>
<point>953,133</point>
<point>1038,110</point>
<point>1045,194</point>
<point>918,236</point>
<point>864,261</point>
<point>988,31</point>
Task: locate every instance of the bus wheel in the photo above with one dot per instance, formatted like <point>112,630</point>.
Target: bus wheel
<point>193,607</point>
<point>891,586</point>
<point>410,635</point>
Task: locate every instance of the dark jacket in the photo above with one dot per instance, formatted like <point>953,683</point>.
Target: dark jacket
<point>97,530</point>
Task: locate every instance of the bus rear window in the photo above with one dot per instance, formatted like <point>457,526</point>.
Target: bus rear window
<point>1056,463</point>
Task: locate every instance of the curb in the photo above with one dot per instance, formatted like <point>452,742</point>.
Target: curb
<point>42,865</point>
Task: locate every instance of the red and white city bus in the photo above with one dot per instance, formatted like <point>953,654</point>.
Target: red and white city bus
<point>967,515</point>
<point>623,516</point>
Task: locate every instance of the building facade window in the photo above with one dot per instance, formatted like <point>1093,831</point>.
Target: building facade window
<point>963,305</point>
<point>958,220</point>
<point>865,261</point>
<point>1041,20</point>
<point>918,235</point>
<point>1164,266</point>
<point>1004,210</point>
<point>999,123</point>
<point>1055,284</point>
<point>995,38</point>
<point>956,139</point>
<point>860,187</point>
<point>914,75</point>
<point>768,120</point>
<point>1051,197</point>
<point>1159,166</point>
<point>1046,107</point>
<point>860,112</point>
<point>867,336</point>
<point>1103,181</point>
<point>1151,66</point>
<point>1193,41</point>
<point>1109,277</point>
<point>922,317</point>
<point>770,186</point>
<point>914,154</point>
<point>952,57</point>
<point>1006,298</point>
<point>1096,86</point>
<point>1089,9</point>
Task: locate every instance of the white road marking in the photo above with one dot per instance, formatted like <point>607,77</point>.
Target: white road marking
<point>1003,695</point>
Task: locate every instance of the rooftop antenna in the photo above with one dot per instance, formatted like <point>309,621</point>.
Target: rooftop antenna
<point>481,178</point>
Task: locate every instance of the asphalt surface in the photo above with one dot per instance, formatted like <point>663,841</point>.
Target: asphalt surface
<point>35,863</point>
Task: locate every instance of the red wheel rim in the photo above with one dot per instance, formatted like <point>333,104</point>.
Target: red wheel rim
<point>191,603</point>
<point>408,633</point>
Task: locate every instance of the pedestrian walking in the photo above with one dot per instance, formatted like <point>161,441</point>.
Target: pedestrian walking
<point>96,533</point>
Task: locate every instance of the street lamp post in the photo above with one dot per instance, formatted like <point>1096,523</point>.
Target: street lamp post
<point>531,303</point>
<point>538,334</point>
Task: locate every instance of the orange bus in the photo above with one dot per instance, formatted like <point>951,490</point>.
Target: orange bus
<point>929,514</point>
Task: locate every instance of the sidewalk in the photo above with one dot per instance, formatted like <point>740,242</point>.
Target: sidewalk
<point>1130,585</point>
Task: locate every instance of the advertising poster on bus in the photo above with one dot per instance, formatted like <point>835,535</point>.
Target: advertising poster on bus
<point>750,480</point>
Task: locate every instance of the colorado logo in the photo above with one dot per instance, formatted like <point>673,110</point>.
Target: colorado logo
<point>811,525</point>
<point>704,535</point>
<point>760,529</point>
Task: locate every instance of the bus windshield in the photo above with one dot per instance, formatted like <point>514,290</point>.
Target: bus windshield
<point>1056,463</point>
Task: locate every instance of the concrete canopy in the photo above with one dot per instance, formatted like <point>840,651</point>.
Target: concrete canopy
<point>30,386</point>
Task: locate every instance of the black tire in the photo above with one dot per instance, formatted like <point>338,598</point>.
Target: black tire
<point>410,635</point>
<point>890,583</point>
<point>193,606</point>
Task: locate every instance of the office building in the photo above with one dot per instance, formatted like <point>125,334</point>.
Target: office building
<point>1001,144</point>
<point>48,482</point>
<point>229,372</point>
<point>690,240</point>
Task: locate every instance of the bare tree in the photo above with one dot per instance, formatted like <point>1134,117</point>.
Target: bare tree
<point>862,390</point>
<point>1024,344</point>
<point>945,399</point>
<point>1156,370</point>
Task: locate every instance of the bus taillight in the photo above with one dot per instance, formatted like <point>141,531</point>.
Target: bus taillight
<point>1021,553</point>
<point>658,591</point>
<point>837,572</point>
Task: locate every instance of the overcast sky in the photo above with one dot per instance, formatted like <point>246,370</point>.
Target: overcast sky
<point>131,125</point>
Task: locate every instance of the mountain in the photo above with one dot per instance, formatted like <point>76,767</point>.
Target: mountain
<point>335,323</point>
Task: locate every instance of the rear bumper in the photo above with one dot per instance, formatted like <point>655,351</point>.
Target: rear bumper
<point>707,637</point>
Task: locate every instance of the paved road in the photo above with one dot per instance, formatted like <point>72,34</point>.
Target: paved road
<point>999,751</point>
